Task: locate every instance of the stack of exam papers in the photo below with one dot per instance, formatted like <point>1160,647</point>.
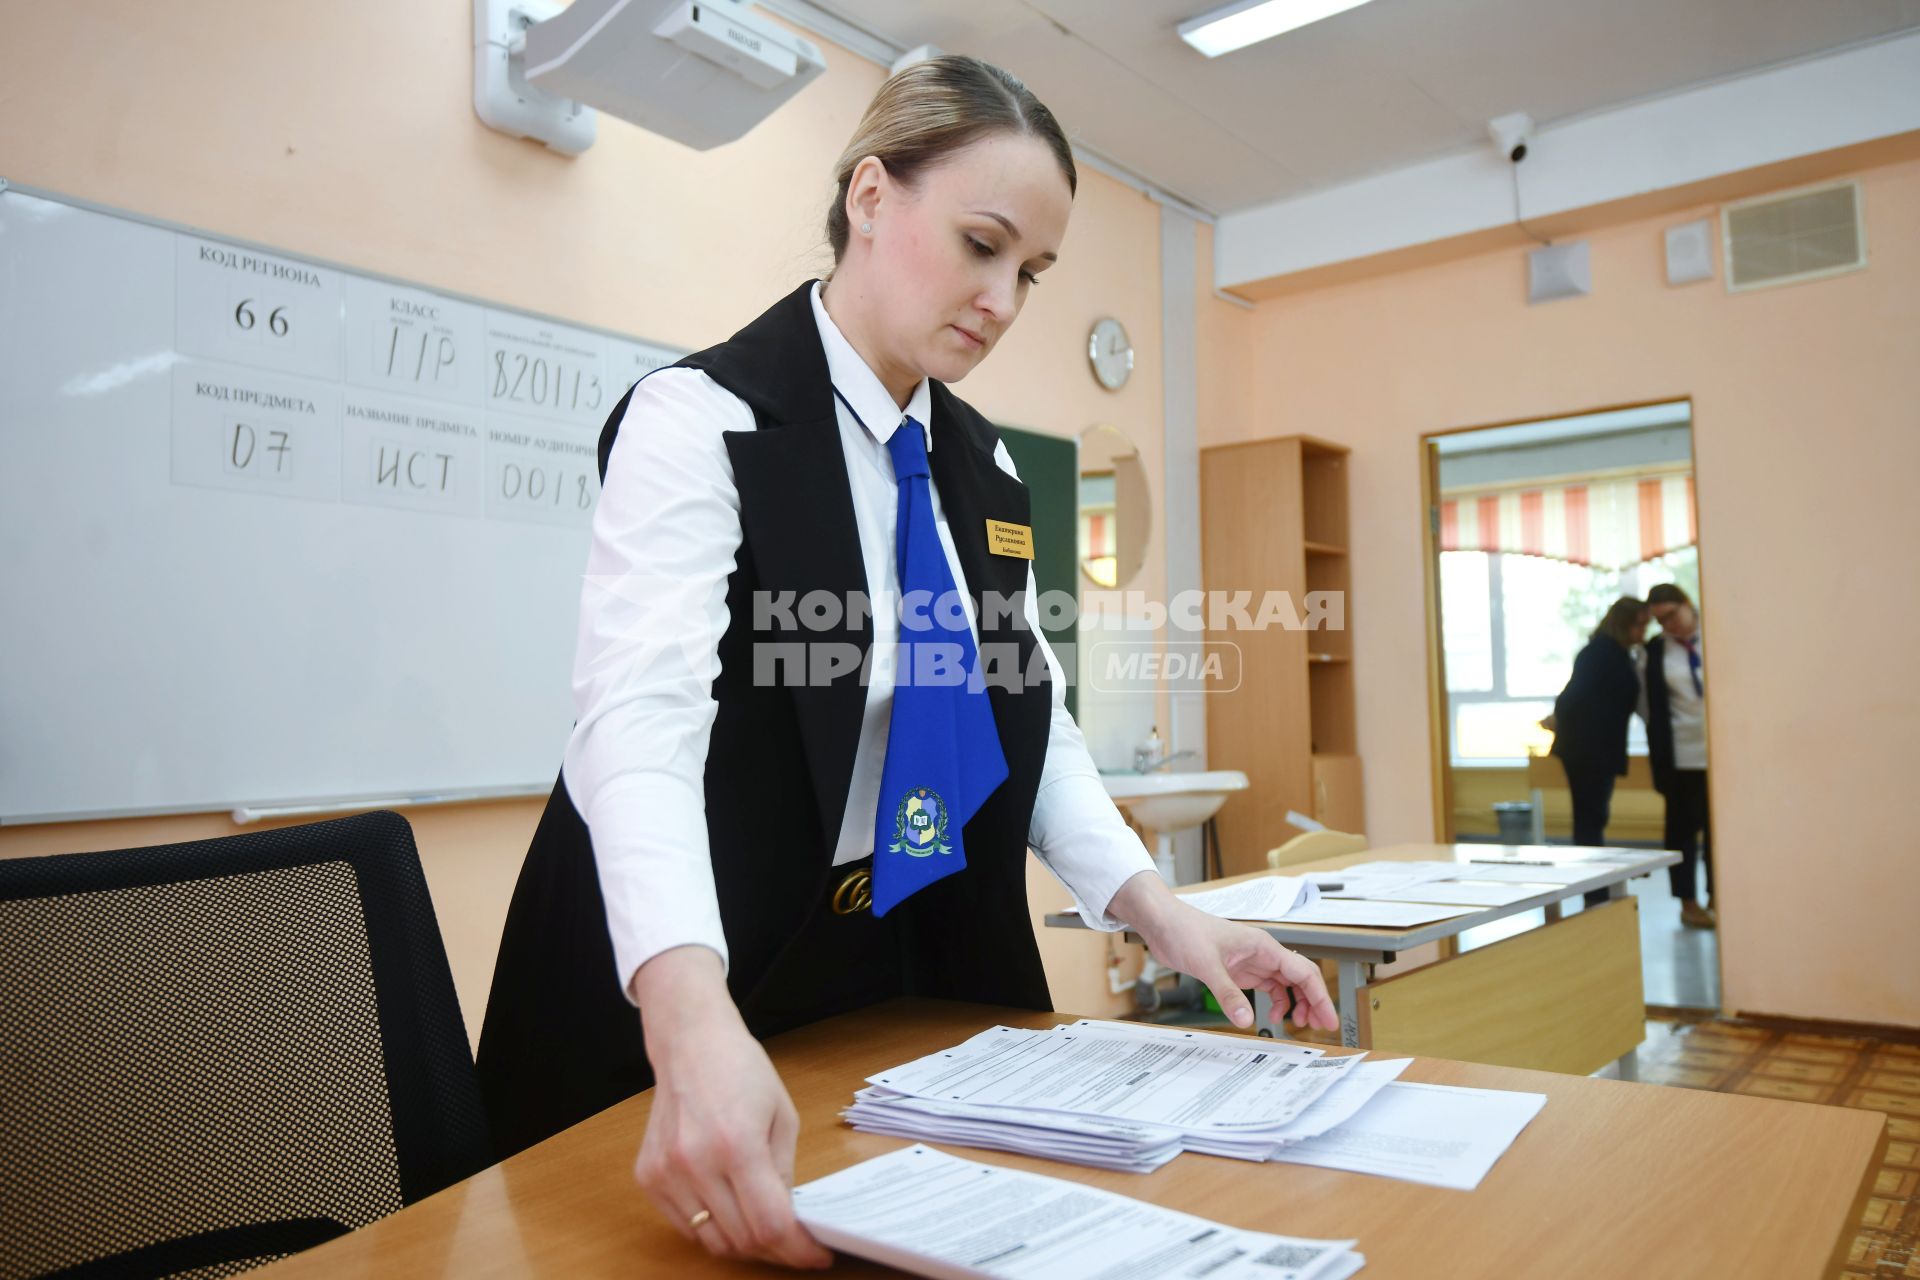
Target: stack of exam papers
<point>1132,1096</point>
<point>938,1215</point>
<point>1115,1095</point>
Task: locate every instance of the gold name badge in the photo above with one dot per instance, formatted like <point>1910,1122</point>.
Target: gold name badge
<point>1005,539</point>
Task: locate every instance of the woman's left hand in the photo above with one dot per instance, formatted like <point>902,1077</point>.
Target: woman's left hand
<point>1230,958</point>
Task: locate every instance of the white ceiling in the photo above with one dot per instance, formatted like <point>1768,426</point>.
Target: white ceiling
<point>1376,88</point>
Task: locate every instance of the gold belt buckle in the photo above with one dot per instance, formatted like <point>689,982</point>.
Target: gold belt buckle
<point>854,894</point>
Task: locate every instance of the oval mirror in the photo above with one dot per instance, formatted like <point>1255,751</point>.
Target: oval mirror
<point>1116,515</point>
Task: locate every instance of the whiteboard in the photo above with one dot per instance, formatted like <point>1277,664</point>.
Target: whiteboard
<point>275,532</point>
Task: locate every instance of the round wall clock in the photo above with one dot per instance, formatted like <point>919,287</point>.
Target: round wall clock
<point>1110,352</point>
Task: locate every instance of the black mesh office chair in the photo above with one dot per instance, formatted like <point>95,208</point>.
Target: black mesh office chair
<point>217,1053</point>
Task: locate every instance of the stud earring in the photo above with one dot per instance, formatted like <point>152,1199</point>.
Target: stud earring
<point>866,228</point>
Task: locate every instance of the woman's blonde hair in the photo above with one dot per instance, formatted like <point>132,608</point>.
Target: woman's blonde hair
<point>930,110</point>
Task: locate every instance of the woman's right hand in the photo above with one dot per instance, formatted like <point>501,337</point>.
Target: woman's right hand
<point>721,1134</point>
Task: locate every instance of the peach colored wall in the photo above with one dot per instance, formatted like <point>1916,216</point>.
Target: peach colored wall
<point>346,131</point>
<point>1807,444</point>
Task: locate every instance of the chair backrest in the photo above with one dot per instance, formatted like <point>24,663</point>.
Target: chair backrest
<point>218,1052</point>
<point>1311,846</point>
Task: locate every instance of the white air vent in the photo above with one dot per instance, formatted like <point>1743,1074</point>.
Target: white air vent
<point>1803,235</point>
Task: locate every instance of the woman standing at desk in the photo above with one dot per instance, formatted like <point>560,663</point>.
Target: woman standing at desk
<point>782,826</point>
<point>1591,715</point>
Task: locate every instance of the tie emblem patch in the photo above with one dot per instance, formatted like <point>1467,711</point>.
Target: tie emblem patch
<point>920,824</point>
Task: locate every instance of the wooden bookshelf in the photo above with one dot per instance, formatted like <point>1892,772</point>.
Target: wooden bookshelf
<point>1274,518</point>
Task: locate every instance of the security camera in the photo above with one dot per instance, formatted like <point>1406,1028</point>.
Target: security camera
<point>1511,134</point>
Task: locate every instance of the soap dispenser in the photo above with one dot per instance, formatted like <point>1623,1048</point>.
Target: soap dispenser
<point>1148,753</point>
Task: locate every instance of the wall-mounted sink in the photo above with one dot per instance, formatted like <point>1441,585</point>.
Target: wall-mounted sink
<point>1168,803</point>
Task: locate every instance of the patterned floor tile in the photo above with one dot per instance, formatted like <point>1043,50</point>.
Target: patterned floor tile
<point>1794,1069</point>
<point>1726,1031</point>
<point>1875,1254</point>
<point>1708,1059</point>
<point>1852,1044</point>
<point>1814,1053</point>
<point>1894,1104</point>
<point>1895,1183</point>
<point>1898,1081</point>
<point>1903,1155</point>
<point>1685,1077</point>
<point>1865,1251</point>
<point>1792,1090</point>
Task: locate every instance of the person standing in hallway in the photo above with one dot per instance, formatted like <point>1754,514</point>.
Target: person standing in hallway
<point>1673,703</point>
<point>1591,715</point>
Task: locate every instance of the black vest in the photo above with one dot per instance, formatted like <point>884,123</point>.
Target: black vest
<point>560,1040</point>
<point>1659,717</point>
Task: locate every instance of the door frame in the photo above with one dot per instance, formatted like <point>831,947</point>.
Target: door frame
<point>1439,721</point>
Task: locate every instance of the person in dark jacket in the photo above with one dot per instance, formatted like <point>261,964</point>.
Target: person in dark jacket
<point>1591,715</point>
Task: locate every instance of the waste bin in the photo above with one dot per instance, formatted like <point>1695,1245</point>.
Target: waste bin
<point>1516,821</point>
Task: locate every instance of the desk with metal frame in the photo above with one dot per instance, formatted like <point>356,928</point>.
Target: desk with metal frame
<point>1588,963</point>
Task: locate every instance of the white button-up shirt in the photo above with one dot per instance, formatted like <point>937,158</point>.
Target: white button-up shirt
<point>653,609</point>
<point>1686,707</point>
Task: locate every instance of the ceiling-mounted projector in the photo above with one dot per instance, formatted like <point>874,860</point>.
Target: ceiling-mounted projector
<point>702,72</point>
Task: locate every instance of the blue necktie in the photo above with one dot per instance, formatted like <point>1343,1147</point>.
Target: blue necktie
<point>1693,668</point>
<point>943,753</point>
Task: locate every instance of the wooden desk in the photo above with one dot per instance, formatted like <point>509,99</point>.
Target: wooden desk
<point>1572,990</point>
<point>1610,1180</point>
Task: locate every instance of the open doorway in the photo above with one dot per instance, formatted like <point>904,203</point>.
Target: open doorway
<point>1536,530</point>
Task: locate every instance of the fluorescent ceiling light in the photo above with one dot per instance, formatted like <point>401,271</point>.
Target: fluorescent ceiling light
<point>1238,25</point>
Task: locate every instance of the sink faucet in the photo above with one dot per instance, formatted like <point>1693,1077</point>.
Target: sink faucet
<point>1143,765</point>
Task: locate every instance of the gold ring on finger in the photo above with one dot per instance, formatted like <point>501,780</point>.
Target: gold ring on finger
<point>700,1219</point>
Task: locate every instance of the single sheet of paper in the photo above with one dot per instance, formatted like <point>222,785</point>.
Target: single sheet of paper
<point>1263,898</point>
<point>1339,1104</point>
<point>1464,893</point>
<point>1371,879</point>
<point>1379,915</point>
<point>1440,1135</point>
<point>938,1215</point>
<point>1567,873</point>
<point>1550,856</point>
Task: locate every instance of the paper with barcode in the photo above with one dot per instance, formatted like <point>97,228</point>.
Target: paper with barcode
<point>934,1214</point>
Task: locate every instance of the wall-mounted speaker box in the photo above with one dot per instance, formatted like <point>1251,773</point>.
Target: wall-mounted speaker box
<point>1559,271</point>
<point>1690,252</point>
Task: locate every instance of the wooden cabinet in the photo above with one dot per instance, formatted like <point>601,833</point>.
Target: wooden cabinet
<point>1339,801</point>
<point>1273,518</point>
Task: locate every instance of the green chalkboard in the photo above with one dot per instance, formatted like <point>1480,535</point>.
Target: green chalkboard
<point>1050,466</point>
